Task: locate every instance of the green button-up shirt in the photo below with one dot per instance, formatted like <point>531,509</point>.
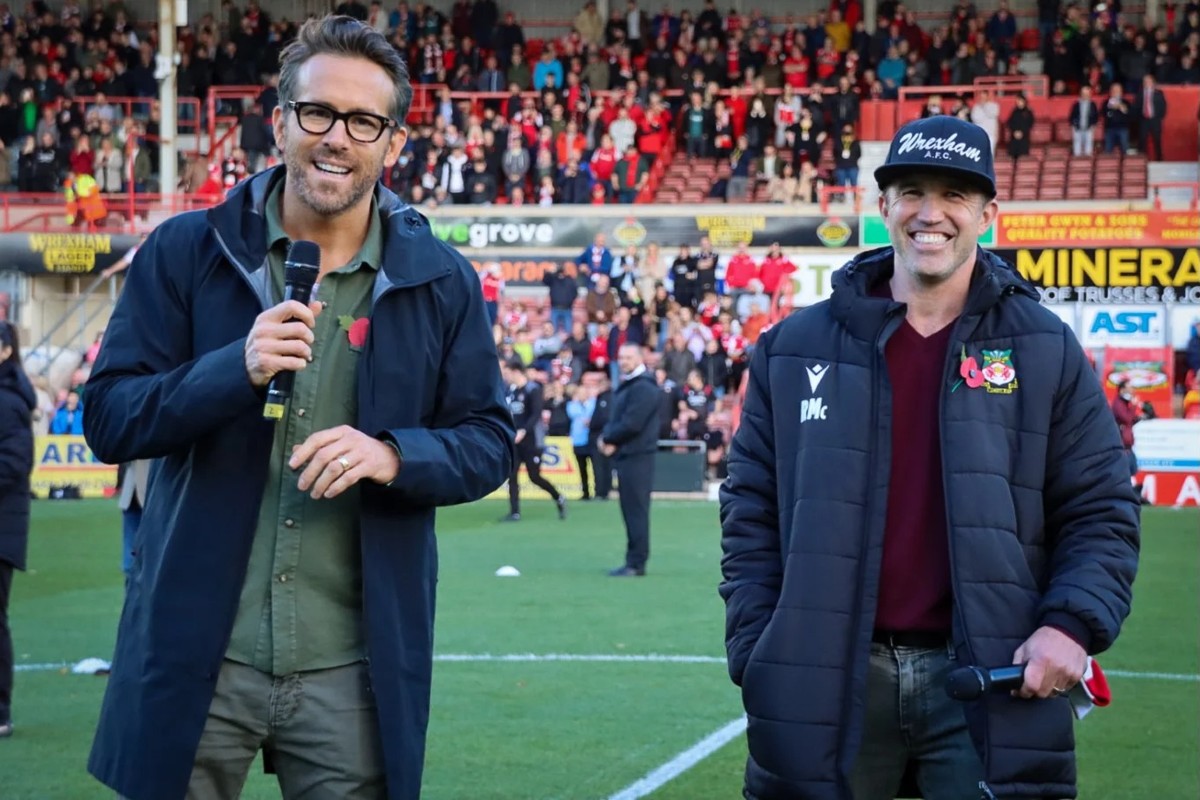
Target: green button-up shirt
<point>301,605</point>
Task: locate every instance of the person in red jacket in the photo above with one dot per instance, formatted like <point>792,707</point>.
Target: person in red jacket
<point>740,271</point>
<point>774,267</point>
<point>1127,413</point>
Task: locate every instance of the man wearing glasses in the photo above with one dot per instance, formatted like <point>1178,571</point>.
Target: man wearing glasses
<point>282,594</point>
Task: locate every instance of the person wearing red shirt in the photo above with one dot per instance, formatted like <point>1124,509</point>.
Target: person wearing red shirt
<point>604,159</point>
<point>795,69</point>
<point>493,287</point>
<point>774,267</point>
<point>740,271</point>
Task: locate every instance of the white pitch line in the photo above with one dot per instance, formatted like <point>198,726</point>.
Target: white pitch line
<point>681,763</point>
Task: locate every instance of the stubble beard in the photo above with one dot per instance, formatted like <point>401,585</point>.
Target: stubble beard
<point>327,204</point>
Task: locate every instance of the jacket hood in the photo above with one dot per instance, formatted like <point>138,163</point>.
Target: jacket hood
<point>13,379</point>
<point>854,306</point>
<point>240,226</point>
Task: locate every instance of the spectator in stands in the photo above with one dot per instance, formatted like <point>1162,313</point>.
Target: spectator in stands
<point>629,176</point>
<point>985,112</point>
<point>1020,126</point>
<point>783,188</point>
<point>492,284</point>
<point>1151,110</point>
<point>546,347</point>
<point>1193,348</point>
<point>846,154</point>
<point>677,359</point>
<point>751,299</point>
<point>740,271</point>
<point>1116,121</point>
<point>601,302</point>
<point>17,404</point>
<point>596,259</point>
<point>108,167</point>
<point>580,407</point>
<point>563,292</point>
<point>68,419</point>
<point>481,189</point>
<point>774,267</point>
<point>1083,118</point>
<point>741,162</point>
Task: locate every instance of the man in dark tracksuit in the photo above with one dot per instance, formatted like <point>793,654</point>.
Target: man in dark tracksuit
<point>631,439</point>
<point>600,417</point>
<point>925,477</point>
<point>525,401</point>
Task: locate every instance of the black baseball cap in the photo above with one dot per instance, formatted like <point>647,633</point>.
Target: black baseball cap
<point>941,144</point>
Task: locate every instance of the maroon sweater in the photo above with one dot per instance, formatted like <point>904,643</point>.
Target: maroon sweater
<point>914,582</point>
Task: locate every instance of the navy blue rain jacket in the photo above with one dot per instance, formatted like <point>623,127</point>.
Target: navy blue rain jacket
<point>170,384</point>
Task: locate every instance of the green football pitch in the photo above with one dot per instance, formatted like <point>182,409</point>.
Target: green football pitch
<point>565,683</point>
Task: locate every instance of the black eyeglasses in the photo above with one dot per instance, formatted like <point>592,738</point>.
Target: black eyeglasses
<point>317,118</point>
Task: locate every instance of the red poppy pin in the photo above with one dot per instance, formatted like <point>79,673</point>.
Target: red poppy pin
<point>356,330</point>
<point>969,371</point>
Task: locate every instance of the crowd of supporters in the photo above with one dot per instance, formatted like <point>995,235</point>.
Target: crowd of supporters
<point>576,118</point>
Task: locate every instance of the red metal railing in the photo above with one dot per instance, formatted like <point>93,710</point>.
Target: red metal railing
<point>128,212</point>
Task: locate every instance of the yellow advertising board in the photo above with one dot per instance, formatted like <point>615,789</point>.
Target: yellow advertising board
<point>558,467</point>
<point>60,461</point>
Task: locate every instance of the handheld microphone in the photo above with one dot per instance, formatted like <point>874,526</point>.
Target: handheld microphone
<point>971,683</point>
<point>300,272</point>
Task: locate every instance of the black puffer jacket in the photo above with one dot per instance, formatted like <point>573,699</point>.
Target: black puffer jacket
<point>17,402</point>
<point>1043,527</point>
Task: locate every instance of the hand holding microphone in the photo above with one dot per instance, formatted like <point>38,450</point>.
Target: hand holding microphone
<point>1048,663</point>
<point>280,342</point>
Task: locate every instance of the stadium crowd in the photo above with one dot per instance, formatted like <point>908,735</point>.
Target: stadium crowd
<point>575,119</point>
<point>582,118</point>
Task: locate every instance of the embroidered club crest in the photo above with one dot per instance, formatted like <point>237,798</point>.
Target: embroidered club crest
<point>999,375</point>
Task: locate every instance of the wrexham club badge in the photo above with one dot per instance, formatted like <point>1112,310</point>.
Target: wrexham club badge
<point>998,373</point>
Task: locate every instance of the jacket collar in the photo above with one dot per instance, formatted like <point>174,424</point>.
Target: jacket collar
<point>409,246</point>
<point>863,314</point>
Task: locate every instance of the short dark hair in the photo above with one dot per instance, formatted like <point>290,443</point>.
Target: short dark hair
<point>10,338</point>
<point>339,35</point>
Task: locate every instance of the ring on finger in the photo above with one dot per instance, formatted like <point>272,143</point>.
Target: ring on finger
<point>344,462</point>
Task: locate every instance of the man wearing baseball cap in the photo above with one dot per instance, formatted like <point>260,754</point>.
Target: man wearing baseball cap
<point>925,478</point>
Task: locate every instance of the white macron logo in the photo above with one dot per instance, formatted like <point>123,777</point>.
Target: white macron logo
<point>815,374</point>
<point>950,144</point>
<point>815,407</point>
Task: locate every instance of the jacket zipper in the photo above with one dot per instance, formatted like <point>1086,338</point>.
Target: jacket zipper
<point>865,535</point>
<point>954,587</point>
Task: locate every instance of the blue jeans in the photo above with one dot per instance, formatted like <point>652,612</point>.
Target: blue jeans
<point>562,319</point>
<point>1116,138</point>
<point>130,520</point>
<point>909,717</point>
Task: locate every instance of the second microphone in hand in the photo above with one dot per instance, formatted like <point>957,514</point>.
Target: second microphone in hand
<point>300,272</point>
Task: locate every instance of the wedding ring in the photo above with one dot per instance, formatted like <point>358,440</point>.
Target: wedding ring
<point>345,462</point>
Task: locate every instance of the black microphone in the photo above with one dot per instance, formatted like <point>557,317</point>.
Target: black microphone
<point>971,683</point>
<point>300,272</point>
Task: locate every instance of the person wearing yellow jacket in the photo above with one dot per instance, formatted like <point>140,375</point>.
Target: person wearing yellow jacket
<point>83,197</point>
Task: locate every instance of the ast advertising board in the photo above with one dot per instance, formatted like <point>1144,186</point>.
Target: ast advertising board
<point>1122,325</point>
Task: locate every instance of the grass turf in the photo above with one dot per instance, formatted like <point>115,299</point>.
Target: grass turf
<point>575,730</point>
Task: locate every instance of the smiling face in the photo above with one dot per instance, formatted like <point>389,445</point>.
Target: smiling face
<point>934,223</point>
<point>331,173</point>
